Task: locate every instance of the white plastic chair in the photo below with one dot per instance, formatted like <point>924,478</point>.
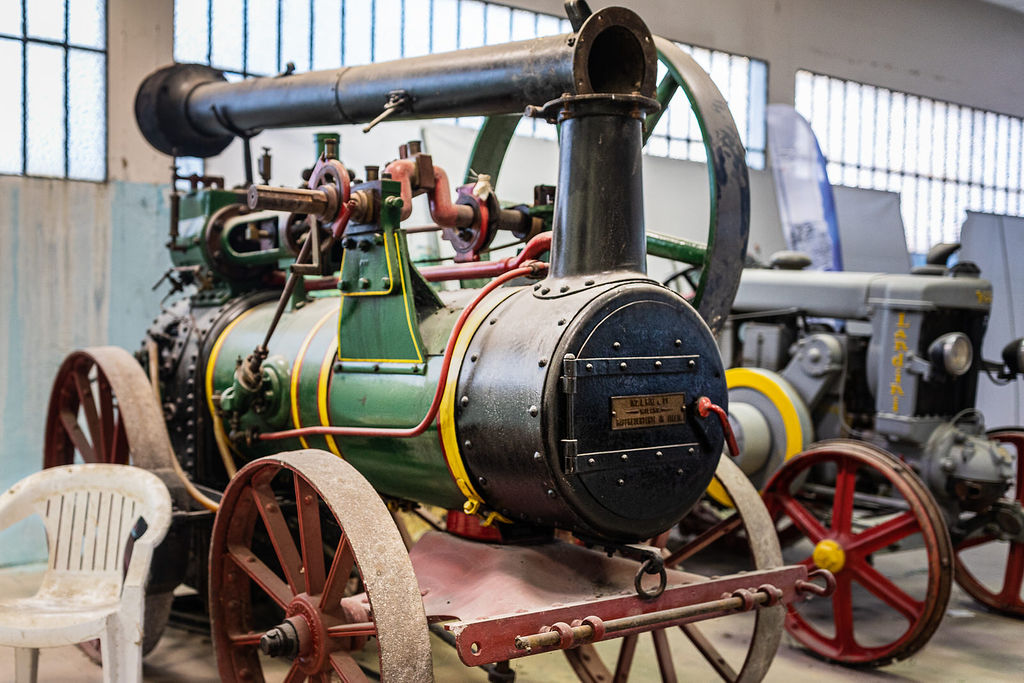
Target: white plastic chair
<point>89,512</point>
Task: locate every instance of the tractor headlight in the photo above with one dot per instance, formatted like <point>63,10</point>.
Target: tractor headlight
<point>953,352</point>
<point>1013,356</point>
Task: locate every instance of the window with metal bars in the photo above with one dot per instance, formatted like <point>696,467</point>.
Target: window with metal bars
<point>54,75</point>
<point>260,37</point>
<point>943,158</point>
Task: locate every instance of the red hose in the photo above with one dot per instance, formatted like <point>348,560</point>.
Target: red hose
<point>428,419</point>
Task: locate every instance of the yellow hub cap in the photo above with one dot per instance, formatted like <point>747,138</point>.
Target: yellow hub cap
<point>829,555</point>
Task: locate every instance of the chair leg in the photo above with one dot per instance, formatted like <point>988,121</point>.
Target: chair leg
<point>122,654</point>
<point>26,664</point>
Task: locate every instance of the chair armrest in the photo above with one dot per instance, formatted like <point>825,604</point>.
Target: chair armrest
<point>15,504</point>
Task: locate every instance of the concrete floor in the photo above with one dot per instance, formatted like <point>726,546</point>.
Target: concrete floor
<point>970,645</point>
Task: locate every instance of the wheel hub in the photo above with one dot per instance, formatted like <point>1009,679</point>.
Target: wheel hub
<point>828,554</point>
<point>303,634</point>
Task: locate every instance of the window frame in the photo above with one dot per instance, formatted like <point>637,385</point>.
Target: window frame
<point>67,46</point>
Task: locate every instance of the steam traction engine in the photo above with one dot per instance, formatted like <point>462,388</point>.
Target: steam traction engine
<point>890,361</point>
<point>313,384</point>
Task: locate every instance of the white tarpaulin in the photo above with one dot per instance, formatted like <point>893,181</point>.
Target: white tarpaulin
<point>996,244</point>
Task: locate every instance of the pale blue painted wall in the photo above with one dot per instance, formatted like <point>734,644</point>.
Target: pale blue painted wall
<point>77,263</point>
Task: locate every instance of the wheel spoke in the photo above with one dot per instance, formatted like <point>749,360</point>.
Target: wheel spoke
<point>245,639</point>
<point>341,568</point>
<point>1014,575</point>
<point>347,668</point>
<point>842,614</point>
<point>975,541</point>
<point>120,454</point>
<point>842,502</point>
<point>362,628</point>
<point>704,539</point>
<point>625,661</point>
<point>295,673</point>
<point>709,651</point>
<point>666,89</point>
<point>886,591</point>
<point>884,535</point>
<point>307,503</point>
<point>280,534</point>
<point>261,574</point>
<point>664,654</point>
<point>88,403</point>
<point>74,431</point>
<point>804,519</point>
<point>106,408</point>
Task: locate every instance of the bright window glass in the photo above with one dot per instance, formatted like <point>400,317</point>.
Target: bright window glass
<point>943,158</point>
<point>54,122</point>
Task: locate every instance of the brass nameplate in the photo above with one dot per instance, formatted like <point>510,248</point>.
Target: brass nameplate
<point>648,410</point>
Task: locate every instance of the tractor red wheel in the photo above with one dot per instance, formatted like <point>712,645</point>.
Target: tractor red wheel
<point>287,603</point>
<point>1000,592</point>
<point>855,504</point>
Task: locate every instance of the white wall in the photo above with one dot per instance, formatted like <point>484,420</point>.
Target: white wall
<point>963,51</point>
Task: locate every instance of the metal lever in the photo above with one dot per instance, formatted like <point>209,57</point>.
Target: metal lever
<point>397,101</point>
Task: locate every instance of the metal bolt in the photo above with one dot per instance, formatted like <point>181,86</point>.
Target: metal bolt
<point>364,283</point>
<point>591,461</point>
<point>590,367</point>
<point>657,365</point>
<point>537,456</point>
<point>624,457</point>
<point>542,362</point>
<point>563,289</point>
<point>534,411</point>
<point>385,282</point>
<point>536,287</point>
<point>621,482</point>
<point>562,321</point>
<point>588,283</point>
<point>691,451</point>
<point>482,481</point>
<point>467,443</point>
<point>616,345</point>
<point>545,290</point>
<point>679,342</point>
<point>492,321</point>
<point>658,454</point>
<point>679,472</point>
<point>473,358</point>
<point>622,365</point>
<point>691,364</point>
<point>464,401</point>
<point>551,493</point>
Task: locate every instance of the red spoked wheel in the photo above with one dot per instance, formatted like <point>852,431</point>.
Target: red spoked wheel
<point>103,410</point>
<point>284,603</point>
<point>85,421</point>
<point>1002,591</point>
<point>856,503</point>
<point>728,654</point>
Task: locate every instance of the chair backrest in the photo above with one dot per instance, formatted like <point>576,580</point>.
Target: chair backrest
<point>89,512</point>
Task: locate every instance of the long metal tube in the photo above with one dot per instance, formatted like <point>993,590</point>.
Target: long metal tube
<point>192,109</point>
<point>488,80</point>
